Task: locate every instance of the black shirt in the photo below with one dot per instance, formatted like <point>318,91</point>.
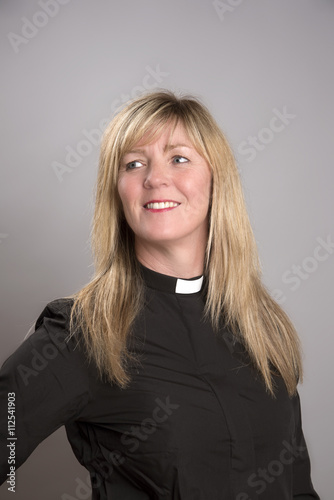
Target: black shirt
<point>195,423</point>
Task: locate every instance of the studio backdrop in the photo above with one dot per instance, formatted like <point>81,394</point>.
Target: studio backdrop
<point>264,68</point>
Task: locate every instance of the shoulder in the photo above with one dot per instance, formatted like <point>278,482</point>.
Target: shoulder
<point>53,326</point>
<point>50,339</point>
<point>59,309</point>
<point>49,350</point>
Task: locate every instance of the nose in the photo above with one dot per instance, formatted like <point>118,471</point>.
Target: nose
<point>156,175</point>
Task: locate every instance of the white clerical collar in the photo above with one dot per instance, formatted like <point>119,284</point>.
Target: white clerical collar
<point>188,286</point>
<point>171,284</point>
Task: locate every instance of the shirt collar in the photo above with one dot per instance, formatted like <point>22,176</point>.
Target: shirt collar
<point>170,284</point>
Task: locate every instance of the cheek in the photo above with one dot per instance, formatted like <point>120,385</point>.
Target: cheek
<point>124,197</point>
<point>121,188</point>
<point>206,184</point>
<point>199,191</point>
<point>129,194</point>
<point>125,191</point>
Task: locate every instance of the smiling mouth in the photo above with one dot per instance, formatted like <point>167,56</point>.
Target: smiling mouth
<point>161,205</point>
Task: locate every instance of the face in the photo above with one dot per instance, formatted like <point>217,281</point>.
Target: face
<point>165,189</point>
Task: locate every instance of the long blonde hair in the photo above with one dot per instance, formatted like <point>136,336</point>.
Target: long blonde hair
<point>105,309</point>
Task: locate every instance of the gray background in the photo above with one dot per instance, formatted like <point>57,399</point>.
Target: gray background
<point>248,62</point>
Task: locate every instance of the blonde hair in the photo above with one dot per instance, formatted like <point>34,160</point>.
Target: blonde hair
<point>105,309</point>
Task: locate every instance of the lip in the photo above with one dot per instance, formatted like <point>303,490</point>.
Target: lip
<point>160,209</point>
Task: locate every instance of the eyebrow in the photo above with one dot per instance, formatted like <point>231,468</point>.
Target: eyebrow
<point>168,147</point>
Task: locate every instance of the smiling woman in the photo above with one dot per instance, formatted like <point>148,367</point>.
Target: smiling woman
<point>178,377</point>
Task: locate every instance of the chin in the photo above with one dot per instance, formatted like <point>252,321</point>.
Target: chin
<point>156,237</point>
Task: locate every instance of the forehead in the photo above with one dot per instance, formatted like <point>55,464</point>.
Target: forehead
<point>167,135</point>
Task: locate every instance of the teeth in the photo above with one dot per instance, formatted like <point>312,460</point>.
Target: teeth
<point>164,204</point>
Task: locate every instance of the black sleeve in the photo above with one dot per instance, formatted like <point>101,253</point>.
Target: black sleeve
<point>43,385</point>
<point>302,484</point>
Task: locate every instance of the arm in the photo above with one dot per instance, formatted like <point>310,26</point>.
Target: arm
<point>47,383</point>
<point>302,484</point>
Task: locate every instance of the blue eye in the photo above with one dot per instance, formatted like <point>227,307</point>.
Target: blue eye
<point>132,165</point>
<point>180,159</point>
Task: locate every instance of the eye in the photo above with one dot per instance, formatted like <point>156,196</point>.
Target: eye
<point>180,159</point>
<point>133,164</point>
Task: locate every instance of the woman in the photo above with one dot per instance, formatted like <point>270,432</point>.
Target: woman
<point>178,379</point>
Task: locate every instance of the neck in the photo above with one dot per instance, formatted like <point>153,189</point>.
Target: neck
<point>177,262</point>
